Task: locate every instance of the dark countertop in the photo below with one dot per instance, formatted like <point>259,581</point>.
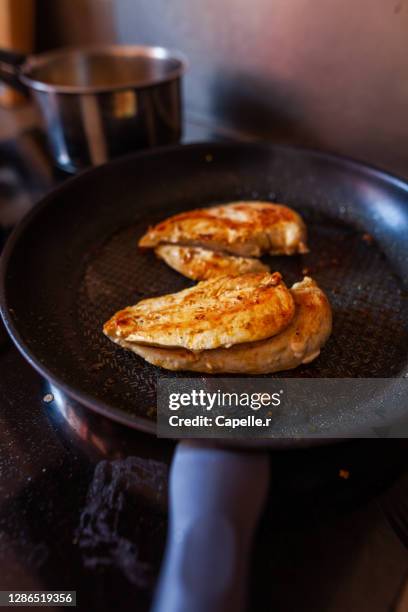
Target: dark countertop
<point>83,502</point>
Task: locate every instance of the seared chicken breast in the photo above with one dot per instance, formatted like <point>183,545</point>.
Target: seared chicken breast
<point>246,229</point>
<point>220,312</point>
<point>300,342</point>
<point>201,264</point>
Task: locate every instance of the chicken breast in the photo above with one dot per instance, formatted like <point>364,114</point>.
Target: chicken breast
<point>299,343</point>
<point>247,229</point>
<point>201,264</point>
<point>219,312</point>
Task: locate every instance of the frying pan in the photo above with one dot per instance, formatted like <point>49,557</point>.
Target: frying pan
<point>73,261</point>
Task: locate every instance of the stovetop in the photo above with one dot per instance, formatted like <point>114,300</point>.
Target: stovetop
<point>84,500</point>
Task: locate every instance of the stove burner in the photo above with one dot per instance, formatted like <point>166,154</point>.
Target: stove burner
<point>125,510</point>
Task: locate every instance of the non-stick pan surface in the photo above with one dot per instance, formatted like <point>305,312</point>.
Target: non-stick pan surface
<point>74,261</point>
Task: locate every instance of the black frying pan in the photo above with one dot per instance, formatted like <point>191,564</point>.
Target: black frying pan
<point>73,262</point>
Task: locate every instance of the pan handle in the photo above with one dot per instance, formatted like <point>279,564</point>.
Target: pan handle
<point>10,63</point>
<point>216,497</point>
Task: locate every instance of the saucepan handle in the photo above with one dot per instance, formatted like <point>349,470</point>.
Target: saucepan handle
<point>216,497</point>
<point>10,63</point>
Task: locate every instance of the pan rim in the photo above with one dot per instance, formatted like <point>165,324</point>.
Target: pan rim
<point>100,406</point>
<point>38,60</point>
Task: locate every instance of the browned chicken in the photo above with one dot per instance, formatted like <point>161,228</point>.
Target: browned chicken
<point>201,264</point>
<point>241,230</point>
<point>297,340</point>
<point>219,312</point>
<point>248,229</point>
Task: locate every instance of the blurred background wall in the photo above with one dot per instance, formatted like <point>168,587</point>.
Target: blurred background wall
<point>326,73</point>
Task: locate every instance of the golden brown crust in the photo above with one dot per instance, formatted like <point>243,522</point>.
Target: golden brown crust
<point>299,343</point>
<point>218,312</point>
<point>201,264</point>
<point>248,229</point>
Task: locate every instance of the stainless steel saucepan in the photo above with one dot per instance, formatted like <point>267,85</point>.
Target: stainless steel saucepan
<point>101,102</point>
